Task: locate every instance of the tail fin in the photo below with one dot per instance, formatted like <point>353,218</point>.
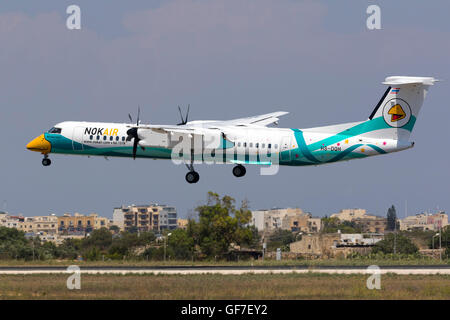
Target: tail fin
<point>396,113</point>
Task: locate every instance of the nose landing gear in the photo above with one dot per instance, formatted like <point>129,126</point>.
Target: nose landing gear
<point>46,161</point>
<point>192,176</point>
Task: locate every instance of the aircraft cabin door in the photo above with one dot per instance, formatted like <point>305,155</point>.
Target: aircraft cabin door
<point>285,154</point>
<point>77,138</point>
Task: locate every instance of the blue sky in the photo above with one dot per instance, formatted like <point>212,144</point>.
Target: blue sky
<point>228,59</point>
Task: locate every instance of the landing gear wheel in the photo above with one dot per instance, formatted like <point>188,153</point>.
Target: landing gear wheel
<point>192,177</point>
<point>239,171</point>
<point>46,162</point>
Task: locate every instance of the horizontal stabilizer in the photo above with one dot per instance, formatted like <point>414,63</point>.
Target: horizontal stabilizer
<point>401,80</point>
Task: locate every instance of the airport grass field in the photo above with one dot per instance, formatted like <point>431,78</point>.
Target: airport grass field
<point>266,263</point>
<point>213,286</point>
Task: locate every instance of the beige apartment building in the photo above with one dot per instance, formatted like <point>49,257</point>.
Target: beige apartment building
<point>293,219</point>
<point>182,223</point>
<point>80,224</point>
<point>425,221</point>
<point>142,218</point>
<point>372,224</point>
<point>36,224</point>
<point>45,224</point>
<point>351,214</point>
<point>368,223</point>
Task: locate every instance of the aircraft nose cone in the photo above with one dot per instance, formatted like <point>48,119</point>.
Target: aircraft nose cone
<point>39,144</point>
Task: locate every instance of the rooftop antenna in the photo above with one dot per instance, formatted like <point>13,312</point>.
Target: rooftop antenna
<point>406,208</point>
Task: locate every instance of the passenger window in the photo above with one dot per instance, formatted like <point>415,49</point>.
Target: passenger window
<point>269,146</point>
<point>111,138</point>
<point>104,137</point>
<point>251,144</point>
<point>245,144</point>
<point>91,137</point>
<point>123,138</point>
<point>239,144</point>
<point>98,137</point>
<point>263,145</point>
<point>257,145</point>
<point>276,146</point>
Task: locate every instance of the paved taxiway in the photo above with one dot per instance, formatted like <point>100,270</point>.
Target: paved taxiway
<point>236,270</point>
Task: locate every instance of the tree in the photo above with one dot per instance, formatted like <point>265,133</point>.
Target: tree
<point>332,225</point>
<point>100,238</point>
<point>403,245</point>
<point>114,229</point>
<point>392,223</point>
<point>280,239</point>
<point>180,244</point>
<point>220,225</point>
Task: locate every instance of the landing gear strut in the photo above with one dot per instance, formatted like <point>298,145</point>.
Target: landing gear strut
<point>46,161</point>
<point>192,176</point>
<point>239,171</point>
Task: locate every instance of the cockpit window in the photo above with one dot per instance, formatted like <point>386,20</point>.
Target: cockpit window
<point>54,130</point>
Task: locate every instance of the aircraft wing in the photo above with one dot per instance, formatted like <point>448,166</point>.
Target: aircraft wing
<point>261,120</point>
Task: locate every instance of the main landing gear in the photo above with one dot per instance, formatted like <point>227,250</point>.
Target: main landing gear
<point>46,161</point>
<point>239,171</point>
<point>192,176</point>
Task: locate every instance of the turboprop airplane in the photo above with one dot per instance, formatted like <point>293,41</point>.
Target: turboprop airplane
<point>248,141</point>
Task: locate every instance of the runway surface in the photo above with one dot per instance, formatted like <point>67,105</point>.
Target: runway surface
<point>234,270</point>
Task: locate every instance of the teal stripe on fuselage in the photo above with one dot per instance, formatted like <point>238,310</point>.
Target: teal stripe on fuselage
<point>302,146</point>
<point>378,149</point>
<point>364,127</point>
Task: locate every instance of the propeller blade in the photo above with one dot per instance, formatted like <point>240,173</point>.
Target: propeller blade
<point>136,141</point>
<point>139,112</point>
<point>181,116</point>
<point>187,114</point>
<point>129,116</point>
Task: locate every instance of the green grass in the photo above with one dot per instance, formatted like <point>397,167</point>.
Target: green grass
<point>213,286</point>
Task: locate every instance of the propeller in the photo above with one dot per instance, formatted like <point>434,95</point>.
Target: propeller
<point>133,134</point>
<point>183,120</point>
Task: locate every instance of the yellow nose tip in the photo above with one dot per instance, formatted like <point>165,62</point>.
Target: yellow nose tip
<point>39,144</point>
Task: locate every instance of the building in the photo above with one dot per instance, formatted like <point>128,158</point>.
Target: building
<point>425,221</point>
<point>142,218</point>
<point>12,221</point>
<point>168,218</point>
<point>47,224</point>
<point>351,214</point>
<point>182,223</point>
<point>314,225</point>
<point>368,223</point>
<point>333,244</point>
<point>44,224</point>
<point>293,219</point>
<point>80,224</point>
<point>100,222</point>
<point>27,225</point>
<point>372,224</point>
